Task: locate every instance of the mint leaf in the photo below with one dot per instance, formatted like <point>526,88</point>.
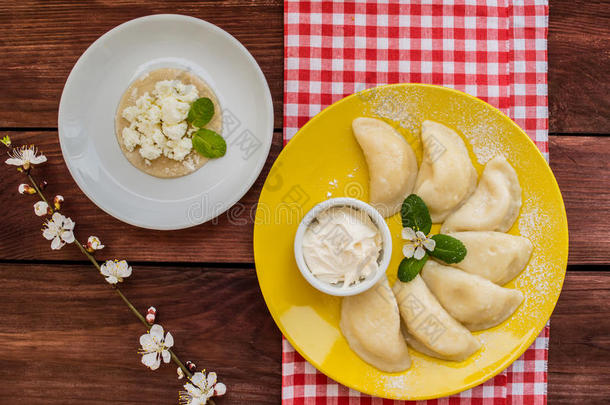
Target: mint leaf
<point>448,249</point>
<point>201,112</point>
<point>414,213</point>
<point>208,143</point>
<point>409,268</point>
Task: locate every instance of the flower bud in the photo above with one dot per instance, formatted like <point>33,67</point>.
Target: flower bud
<point>43,184</point>
<point>190,366</point>
<point>57,201</point>
<point>26,189</point>
<point>41,208</point>
<point>93,244</point>
<point>151,314</point>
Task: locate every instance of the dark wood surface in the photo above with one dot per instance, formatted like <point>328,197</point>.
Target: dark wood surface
<point>580,164</point>
<point>67,339</point>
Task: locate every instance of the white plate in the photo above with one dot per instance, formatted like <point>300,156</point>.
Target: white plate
<point>91,96</point>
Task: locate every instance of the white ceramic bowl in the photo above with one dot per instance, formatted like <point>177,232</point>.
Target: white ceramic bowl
<point>384,255</point>
<point>91,97</point>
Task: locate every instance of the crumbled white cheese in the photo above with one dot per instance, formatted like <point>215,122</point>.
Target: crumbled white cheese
<point>175,131</point>
<point>157,121</point>
<point>131,138</point>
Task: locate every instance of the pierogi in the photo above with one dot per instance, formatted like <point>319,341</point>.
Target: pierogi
<point>429,325</point>
<point>391,161</point>
<point>473,301</point>
<point>446,177</point>
<point>496,256</point>
<point>371,325</point>
<point>494,205</point>
<point>438,309</point>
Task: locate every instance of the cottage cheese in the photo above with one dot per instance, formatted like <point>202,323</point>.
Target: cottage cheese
<point>158,121</point>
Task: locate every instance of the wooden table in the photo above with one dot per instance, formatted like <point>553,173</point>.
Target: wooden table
<point>67,339</point>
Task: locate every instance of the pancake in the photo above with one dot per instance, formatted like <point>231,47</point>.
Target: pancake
<point>163,166</point>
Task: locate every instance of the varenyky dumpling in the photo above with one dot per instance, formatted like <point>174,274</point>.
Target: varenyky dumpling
<point>430,329</point>
<point>494,205</point>
<point>370,323</point>
<point>496,256</point>
<point>391,161</point>
<point>446,176</point>
<point>472,300</point>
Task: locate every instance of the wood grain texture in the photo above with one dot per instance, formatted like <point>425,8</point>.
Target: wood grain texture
<point>579,78</point>
<point>41,41</point>
<point>579,371</point>
<point>582,169</point>
<point>68,339</point>
<point>225,239</point>
<point>74,338</point>
<point>580,165</point>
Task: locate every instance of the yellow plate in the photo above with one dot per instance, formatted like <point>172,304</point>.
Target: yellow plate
<point>324,160</point>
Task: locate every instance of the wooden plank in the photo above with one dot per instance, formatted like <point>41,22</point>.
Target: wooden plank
<point>579,34</point>
<point>68,339</point>
<point>41,41</point>
<point>582,169</point>
<point>580,164</point>
<point>227,239</point>
<point>64,329</point>
<point>579,355</point>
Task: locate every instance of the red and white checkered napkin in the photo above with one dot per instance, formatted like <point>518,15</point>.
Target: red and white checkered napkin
<point>493,49</point>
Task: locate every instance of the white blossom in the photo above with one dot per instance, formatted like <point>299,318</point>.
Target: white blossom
<point>201,388</point>
<point>94,243</point>
<point>59,230</point>
<point>417,244</point>
<point>25,156</point>
<point>155,347</point>
<point>115,271</point>
<point>41,208</point>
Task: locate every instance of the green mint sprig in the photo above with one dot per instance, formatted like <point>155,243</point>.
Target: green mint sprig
<point>205,141</point>
<point>415,215</point>
<point>209,144</point>
<point>201,112</point>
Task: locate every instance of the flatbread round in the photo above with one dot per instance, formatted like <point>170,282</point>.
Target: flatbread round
<point>163,166</point>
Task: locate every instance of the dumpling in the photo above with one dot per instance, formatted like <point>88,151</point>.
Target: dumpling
<point>446,176</point>
<point>494,205</point>
<point>430,329</point>
<point>391,161</point>
<point>472,300</point>
<point>496,256</point>
<point>371,325</point>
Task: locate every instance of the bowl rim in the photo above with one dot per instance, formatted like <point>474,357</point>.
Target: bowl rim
<point>385,254</point>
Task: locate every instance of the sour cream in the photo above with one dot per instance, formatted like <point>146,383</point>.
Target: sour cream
<point>342,245</point>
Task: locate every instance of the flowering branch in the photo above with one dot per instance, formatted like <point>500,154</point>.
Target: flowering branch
<point>155,347</point>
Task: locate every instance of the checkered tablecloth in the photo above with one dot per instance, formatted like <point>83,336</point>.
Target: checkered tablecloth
<point>492,49</point>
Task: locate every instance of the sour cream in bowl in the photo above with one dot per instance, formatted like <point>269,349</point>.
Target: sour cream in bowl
<point>343,246</point>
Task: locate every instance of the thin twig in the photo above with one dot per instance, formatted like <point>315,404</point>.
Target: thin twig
<point>133,309</point>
